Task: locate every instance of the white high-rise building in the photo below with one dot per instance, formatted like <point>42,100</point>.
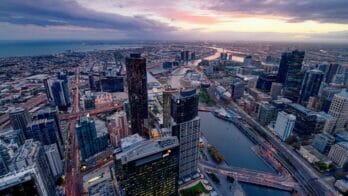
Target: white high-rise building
<point>54,160</point>
<point>284,125</point>
<point>339,109</point>
<point>339,153</point>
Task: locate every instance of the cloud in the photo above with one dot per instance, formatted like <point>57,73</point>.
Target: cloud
<point>324,11</point>
<point>47,13</point>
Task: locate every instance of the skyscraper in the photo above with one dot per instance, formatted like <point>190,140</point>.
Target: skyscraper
<point>148,167</point>
<point>137,92</point>
<point>276,90</point>
<point>284,125</point>
<point>59,91</point>
<point>89,142</point>
<point>19,118</point>
<point>50,113</point>
<point>265,80</point>
<point>186,126</point>
<point>331,72</point>
<point>292,66</point>
<point>339,109</point>
<point>237,89</point>
<point>54,160</point>
<point>310,85</point>
<point>167,97</point>
<point>45,131</point>
<point>118,127</point>
<point>30,165</point>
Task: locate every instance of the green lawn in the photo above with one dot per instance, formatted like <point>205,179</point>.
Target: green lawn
<point>194,190</point>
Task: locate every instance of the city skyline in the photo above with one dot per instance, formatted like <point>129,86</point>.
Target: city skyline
<point>266,20</point>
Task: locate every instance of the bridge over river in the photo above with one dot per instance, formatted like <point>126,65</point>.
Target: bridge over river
<point>280,181</point>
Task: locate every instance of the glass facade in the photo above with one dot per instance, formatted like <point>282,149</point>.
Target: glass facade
<point>153,174</point>
<point>265,80</point>
<point>310,85</point>
<point>184,105</point>
<point>137,92</point>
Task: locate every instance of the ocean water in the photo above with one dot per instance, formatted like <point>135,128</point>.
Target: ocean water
<point>36,48</point>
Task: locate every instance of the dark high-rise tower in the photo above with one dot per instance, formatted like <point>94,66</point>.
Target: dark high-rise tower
<point>265,80</point>
<point>186,126</point>
<point>310,85</point>
<point>292,65</point>
<point>331,72</point>
<point>19,118</point>
<point>289,59</point>
<point>137,92</point>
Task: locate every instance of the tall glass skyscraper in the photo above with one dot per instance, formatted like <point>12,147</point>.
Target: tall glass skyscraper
<point>310,85</point>
<point>148,167</point>
<point>137,92</point>
<point>186,126</point>
<point>89,142</point>
<point>290,73</point>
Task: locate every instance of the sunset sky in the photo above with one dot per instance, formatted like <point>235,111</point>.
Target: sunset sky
<point>222,20</point>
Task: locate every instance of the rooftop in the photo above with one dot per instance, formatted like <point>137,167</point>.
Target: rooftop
<point>146,148</point>
<point>130,140</point>
<point>343,93</point>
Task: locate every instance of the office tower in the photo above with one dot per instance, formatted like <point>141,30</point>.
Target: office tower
<point>284,125</point>
<point>326,97</point>
<point>339,109</point>
<point>237,89</point>
<point>167,97</point>
<point>339,153</point>
<point>54,160</point>
<point>185,55</point>
<point>45,131</point>
<point>276,90</point>
<point>118,127</point>
<point>19,118</point>
<point>89,142</point>
<point>323,142</point>
<point>92,82</point>
<point>292,66</point>
<point>289,59</point>
<point>248,60</point>
<point>112,83</point>
<point>310,85</point>
<point>331,72</point>
<point>223,56</point>
<point>267,113</point>
<point>137,92</point>
<point>59,91</point>
<point>329,121</point>
<point>265,80</point>
<point>47,90</point>
<point>31,175</point>
<point>193,55</point>
<point>148,167</point>
<point>307,121</point>
<point>186,126</point>
<point>50,113</point>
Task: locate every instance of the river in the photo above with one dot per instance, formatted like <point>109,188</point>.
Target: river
<point>237,151</point>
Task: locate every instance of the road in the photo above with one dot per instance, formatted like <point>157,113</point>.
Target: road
<point>254,177</point>
<point>299,168</point>
<point>73,177</point>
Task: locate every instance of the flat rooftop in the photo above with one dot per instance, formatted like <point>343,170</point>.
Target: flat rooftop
<point>146,148</point>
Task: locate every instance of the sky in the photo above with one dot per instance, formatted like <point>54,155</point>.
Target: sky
<point>218,20</point>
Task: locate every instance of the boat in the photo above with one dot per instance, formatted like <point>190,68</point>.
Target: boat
<point>223,114</point>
